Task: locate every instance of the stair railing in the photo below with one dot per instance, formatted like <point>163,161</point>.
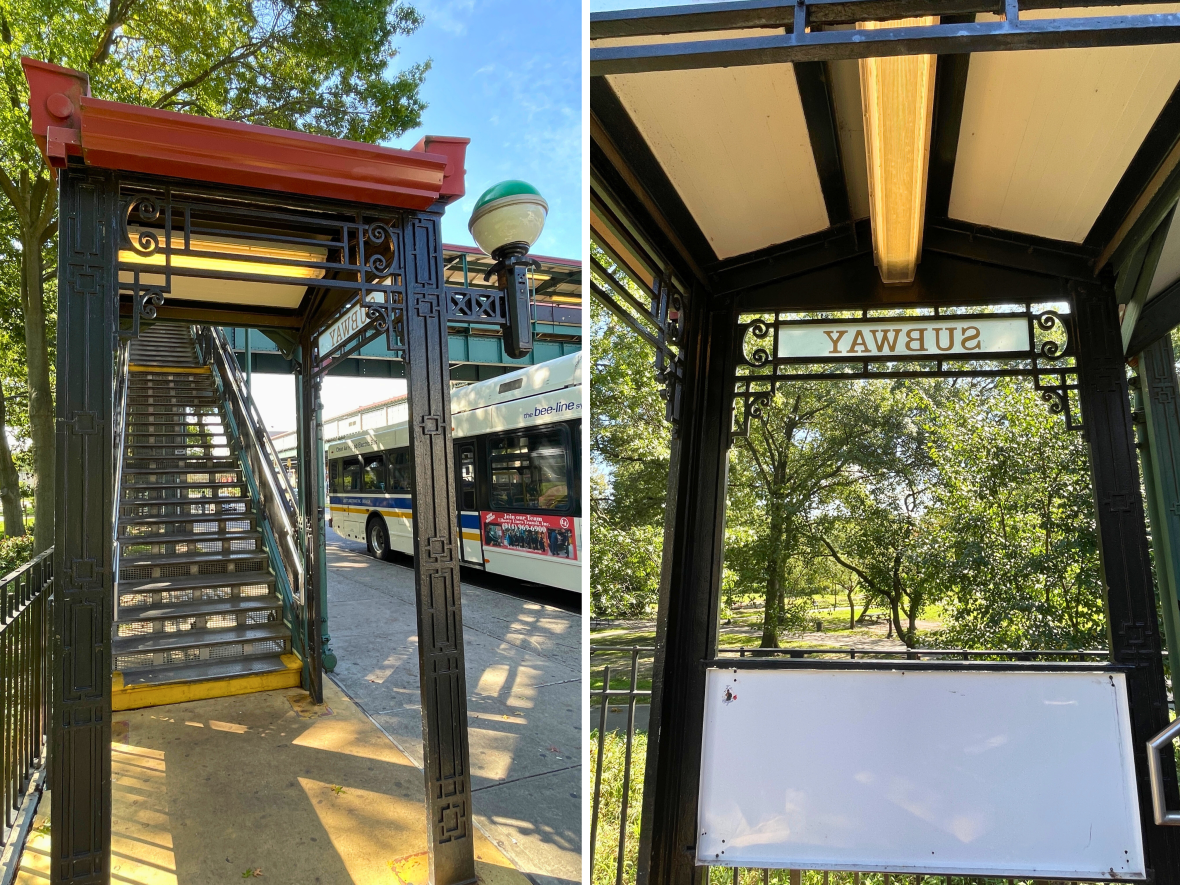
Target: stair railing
<point>279,517</point>
<point>122,383</point>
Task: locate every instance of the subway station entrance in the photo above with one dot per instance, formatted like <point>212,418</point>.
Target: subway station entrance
<point>185,564</point>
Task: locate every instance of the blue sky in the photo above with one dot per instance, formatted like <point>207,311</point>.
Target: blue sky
<point>507,75</point>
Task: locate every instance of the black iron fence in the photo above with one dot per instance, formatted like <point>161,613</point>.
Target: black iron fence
<point>25,599</point>
<point>620,695</point>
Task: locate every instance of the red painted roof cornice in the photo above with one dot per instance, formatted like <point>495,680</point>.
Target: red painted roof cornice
<point>112,135</point>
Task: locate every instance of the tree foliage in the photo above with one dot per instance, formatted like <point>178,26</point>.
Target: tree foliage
<point>629,455</point>
<point>1012,525</point>
<point>961,503</point>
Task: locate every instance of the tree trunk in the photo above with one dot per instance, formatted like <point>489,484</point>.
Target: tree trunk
<point>851,609</point>
<point>41,418</point>
<point>895,620</point>
<point>14,522</point>
<point>772,612</point>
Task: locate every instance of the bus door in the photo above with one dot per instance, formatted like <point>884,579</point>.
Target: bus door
<point>469,528</point>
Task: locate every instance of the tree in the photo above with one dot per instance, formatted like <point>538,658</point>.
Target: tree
<point>629,441</point>
<point>13,378</point>
<point>875,526</point>
<point>800,449</point>
<point>1014,530</point>
<point>320,66</point>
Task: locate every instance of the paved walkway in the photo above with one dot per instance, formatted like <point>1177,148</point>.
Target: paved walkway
<point>262,786</point>
<point>524,700</point>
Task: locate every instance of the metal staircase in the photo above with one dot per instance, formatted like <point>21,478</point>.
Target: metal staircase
<point>198,611</point>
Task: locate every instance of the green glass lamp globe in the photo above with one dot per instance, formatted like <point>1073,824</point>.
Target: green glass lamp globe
<point>509,214</point>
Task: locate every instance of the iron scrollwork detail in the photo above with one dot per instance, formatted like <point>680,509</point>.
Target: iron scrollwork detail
<point>654,311</point>
<point>1049,359</point>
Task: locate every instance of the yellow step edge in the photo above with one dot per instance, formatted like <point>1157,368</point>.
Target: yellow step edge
<point>173,370</point>
<point>136,697</point>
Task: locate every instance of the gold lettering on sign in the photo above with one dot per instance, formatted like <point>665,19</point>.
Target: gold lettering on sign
<point>835,337</point>
<point>858,340</point>
<point>883,341</point>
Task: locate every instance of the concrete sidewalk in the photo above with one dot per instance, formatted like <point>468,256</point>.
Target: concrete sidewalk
<point>263,786</point>
<point>524,700</point>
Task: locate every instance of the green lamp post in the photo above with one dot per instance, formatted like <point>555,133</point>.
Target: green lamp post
<point>506,221</point>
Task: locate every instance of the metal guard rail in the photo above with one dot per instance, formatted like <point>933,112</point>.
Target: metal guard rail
<point>279,510</point>
<point>25,599</point>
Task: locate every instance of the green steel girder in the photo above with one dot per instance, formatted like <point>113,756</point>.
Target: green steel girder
<point>479,352</point>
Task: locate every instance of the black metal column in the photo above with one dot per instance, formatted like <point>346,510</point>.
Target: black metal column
<point>1123,547</point>
<point>1159,452</point>
<point>312,505</point>
<point>690,595</point>
<point>80,761</point>
<point>436,564</point>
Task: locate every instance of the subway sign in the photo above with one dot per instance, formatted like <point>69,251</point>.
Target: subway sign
<point>343,329</point>
<point>965,337</point>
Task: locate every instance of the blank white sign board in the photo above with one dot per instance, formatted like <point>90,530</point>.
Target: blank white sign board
<point>966,773</point>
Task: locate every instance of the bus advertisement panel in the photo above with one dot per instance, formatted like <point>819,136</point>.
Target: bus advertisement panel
<point>535,533</point>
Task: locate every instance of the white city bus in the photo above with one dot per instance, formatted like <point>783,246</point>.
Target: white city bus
<point>518,474</point>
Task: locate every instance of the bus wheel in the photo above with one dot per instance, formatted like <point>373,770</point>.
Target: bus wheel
<point>378,539</point>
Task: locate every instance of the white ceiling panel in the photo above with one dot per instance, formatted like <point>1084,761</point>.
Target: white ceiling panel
<point>1046,135</point>
<point>734,144</point>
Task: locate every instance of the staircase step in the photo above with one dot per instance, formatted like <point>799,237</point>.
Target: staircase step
<point>192,537</point>
<point>172,426</point>
<point>206,679</point>
<point>232,606</point>
<point>185,509</point>
<point>188,486</point>
<point>236,556</point>
<point>166,519</point>
<point>140,451</point>
<point>209,465</point>
<point>149,642</point>
<point>195,582</point>
<point>251,534</point>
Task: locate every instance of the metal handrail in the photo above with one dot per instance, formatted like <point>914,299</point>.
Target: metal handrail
<point>1155,773</point>
<point>278,499</point>
<point>122,384</point>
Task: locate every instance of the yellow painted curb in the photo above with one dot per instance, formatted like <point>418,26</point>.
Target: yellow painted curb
<point>135,697</point>
<point>171,370</point>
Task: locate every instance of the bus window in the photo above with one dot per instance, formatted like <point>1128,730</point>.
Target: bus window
<point>399,470</point>
<point>352,475</point>
<point>529,470</point>
<point>467,477</point>
<point>374,475</point>
<point>334,475</point>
